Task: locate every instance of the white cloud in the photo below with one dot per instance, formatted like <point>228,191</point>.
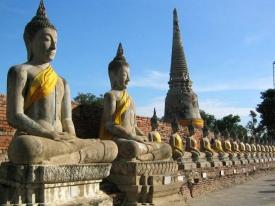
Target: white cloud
<point>152,79</point>
<point>220,109</point>
<point>261,83</point>
<point>159,80</point>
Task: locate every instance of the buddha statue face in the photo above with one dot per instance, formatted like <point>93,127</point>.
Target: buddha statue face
<point>120,77</point>
<point>175,126</point>
<point>42,46</point>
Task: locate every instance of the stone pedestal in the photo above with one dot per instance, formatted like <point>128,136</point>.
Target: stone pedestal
<point>186,162</point>
<point>148,183</point>
<point>225,160</point>
<point>53,184</point>
<point>235,160</point>
<point>214,161</point>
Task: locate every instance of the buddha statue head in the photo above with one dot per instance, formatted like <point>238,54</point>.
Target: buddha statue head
<point>154,121</point>
<point>40,37</point>
<point>118,70</point>
<point>175,125</point>
<point>205,131</point>
<point>217,133</point>
<point>252,140</point>
<point>233,135</point>
<point>191,129</point>
<point>225,134</point>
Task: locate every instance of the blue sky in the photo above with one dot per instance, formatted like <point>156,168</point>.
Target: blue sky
<point>229,46</point>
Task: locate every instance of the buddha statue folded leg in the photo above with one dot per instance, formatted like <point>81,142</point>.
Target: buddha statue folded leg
<point>27,149</point>
<point>146,151</point>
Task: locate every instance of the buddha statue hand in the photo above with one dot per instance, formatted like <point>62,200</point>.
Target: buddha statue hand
<point>139,138</point>
<point>62,136</point>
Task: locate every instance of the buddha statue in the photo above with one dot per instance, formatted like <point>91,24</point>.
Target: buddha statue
<point>263,151</point>
<point>206,145</point>
<point>210,154</point>
<point>227,146</point>
<point>176,142</point>
<point>235,144</point>
<point>259,149</point>
<point>154,135</point>
<point>217,147</point>
<point>192,146</point>
<point>253,147</point>
<point>240,141</point>
<point>248,150</point>
<point>119,118</point>
<point>39,106</point>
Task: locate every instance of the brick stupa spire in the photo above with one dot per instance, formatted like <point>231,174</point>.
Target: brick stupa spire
<point>181,102</point>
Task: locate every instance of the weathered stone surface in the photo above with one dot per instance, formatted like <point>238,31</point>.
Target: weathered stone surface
<point>153,182</point>
<point>53,184</point>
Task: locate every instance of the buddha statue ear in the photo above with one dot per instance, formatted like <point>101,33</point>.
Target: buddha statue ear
<point>28,46</point>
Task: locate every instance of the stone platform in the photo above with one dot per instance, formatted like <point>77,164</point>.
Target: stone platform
<point>148,183</point>
<point>53,184</point>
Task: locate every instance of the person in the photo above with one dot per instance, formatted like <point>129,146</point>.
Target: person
<point>119,118</point>
<point>39,106</point>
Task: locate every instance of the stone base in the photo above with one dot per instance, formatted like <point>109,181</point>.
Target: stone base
<point>53,184</point>
<point>186,164</point>
<point>203,163</point>
<point>235,161</point>
<point>148,183</point>
<point>214,161</point>
<point>243,161</point>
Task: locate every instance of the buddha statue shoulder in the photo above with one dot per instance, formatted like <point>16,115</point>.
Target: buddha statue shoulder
<point>119,118</point>
<point>39,106</point>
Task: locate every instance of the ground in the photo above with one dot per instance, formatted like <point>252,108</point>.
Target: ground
<point>260,191</point>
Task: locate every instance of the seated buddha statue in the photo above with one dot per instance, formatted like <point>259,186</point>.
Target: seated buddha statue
<point>154,135</point>
<point>192,145</point>
<point>227,147</point>
<point>39,106</point>
<point>119,118</point>
<point>176,142</point>
<point>253,147</point>
<point>248,148</point>
<point>242,147</point>
<point>259,148</point>
<point>217,144</point>
<point>206,145</point>
<point>235,144</point>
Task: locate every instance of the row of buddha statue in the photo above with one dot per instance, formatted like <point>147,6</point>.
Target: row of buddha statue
<point>218,149</point>
<point>39,107</point>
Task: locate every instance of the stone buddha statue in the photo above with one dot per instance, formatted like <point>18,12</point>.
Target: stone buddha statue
<point>193,147</point>
<point>119,118</point>
<point>192,144</point>
<point>235,143</point>
<point>154,135</point>
<point>217,144</point>
<point>253,147</point>
<point>206,145</point>
<point>227,143</point>
<point>176,142</point>
<point>242,147</point>
<point>259,148</point>
<point>211,155</point>
<point>39,106</point>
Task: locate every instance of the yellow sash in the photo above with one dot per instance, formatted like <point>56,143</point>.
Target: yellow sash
<point>178,143</point>
<point>121,107</point>
<point>157,137</point>
<point>42,85</point>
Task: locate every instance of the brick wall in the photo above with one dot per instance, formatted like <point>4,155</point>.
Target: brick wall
<point>6,131</point>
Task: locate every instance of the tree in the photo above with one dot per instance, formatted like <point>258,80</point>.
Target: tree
<point>89,99</point>
<point>254,128</point>
<point>267,111</point>
<point>209,120</point>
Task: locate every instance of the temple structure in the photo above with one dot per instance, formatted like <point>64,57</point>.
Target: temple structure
<point>181,102</point>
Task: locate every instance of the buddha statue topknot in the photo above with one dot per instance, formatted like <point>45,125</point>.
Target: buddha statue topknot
<point>39,106</point>
<point>119,118</point>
